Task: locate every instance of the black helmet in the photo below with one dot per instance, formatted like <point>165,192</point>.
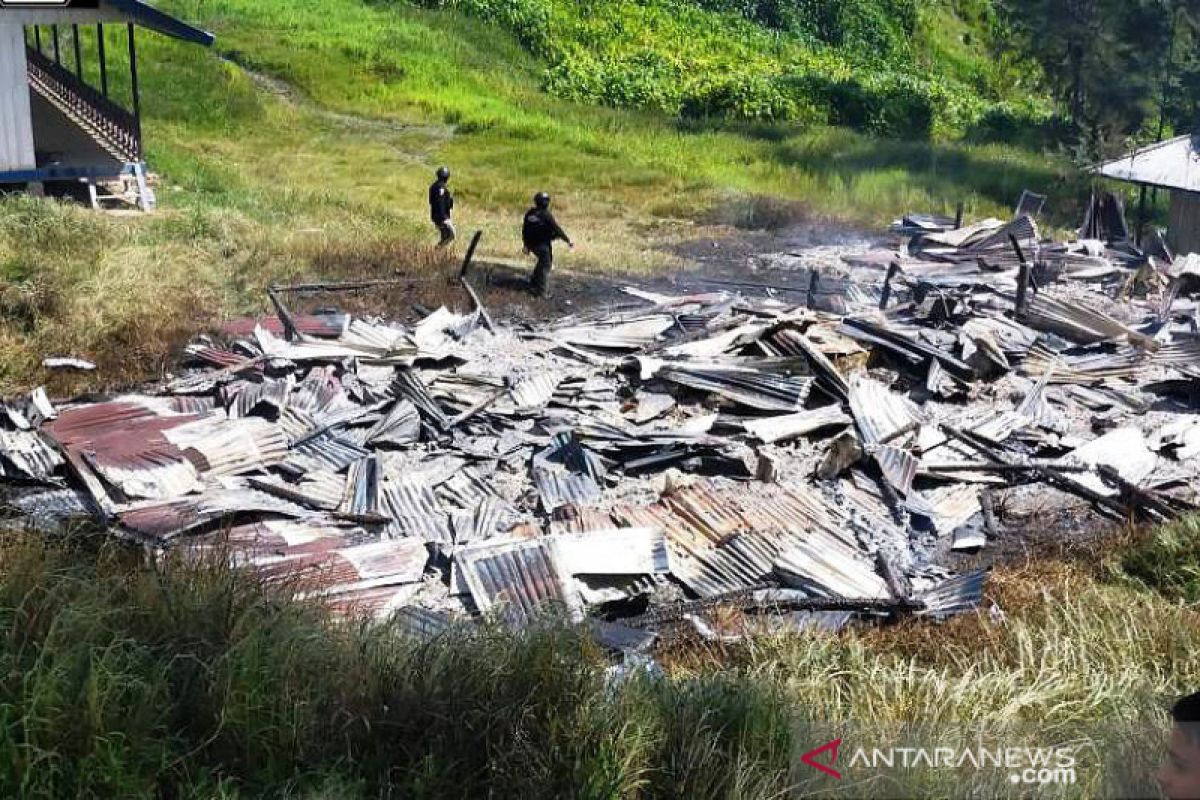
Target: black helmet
<point>443,173</point>
<point>541,200</point>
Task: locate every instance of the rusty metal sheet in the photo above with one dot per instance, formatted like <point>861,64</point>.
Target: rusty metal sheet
<point>325,326</point>
<point>518,580</point>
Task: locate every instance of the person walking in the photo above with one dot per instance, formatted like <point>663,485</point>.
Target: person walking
<point>441,203</point>
<point>538,233</point>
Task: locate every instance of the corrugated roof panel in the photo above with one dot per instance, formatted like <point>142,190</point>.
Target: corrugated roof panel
<point>826,568</point>
<point>517,579</point>
<point>325,326</point>
<point>617,551</point>
<point>1173,164</point>
<point>367,566</point>
<point>758,390</point>
<point>960,594</point>
<point>361,499</point>
<point>466,489</point>
<point>532,392</point>
<point>28,454</point>
<point>407,384</point>
<point>626,335</point>
<point>325,451</point>
<point>415,511</point>
<point>400,426</point>
<point>558,487</point>
<point>880,413</point>
<point>791,426</point>
<point>230,447</point>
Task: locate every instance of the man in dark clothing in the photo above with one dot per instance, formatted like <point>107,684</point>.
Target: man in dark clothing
<point>441,202</point>
<point>538,233</point>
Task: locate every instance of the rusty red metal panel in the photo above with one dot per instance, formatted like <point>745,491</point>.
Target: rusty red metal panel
<point>326,326</point>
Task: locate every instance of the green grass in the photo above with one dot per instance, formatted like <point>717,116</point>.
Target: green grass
<point>321,157</point>
<point>190,680</point>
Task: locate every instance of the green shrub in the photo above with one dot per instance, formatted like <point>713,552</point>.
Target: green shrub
<point>849,63</point>
<point>1167,560</point>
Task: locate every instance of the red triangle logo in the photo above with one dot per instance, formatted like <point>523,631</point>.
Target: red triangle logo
<point>810,758</point>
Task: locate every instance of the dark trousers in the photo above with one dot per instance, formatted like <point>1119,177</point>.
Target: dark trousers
<point>446,229</point>
<point>540,282</point>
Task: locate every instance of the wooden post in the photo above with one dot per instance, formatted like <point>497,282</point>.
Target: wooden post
<point>103,59</point>
<point>78,52</point>
<point>813,282</point>
<point>1141,216</point>
<point>137,101</point>
<point>37,38</point>
<point>54,35</point>
<point>958,215</point>
<point>893,268</point>
<point>466,267</point>
<point>289,325</point>
<point>1022,275</point>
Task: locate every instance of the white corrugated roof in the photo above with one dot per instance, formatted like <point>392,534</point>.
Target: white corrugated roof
<point>1173,164</point>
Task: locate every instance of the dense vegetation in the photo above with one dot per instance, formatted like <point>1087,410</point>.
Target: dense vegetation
<point>874,65</point>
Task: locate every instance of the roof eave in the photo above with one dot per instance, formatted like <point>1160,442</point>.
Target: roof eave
<point>150,17</point>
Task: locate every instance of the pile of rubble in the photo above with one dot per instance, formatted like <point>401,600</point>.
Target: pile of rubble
<point>651,461</point>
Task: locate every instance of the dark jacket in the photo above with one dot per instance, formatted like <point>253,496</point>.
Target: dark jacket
<point>440,202</point>
<point>540,229</point>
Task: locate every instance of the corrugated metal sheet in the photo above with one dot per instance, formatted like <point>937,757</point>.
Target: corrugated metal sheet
<point>825,567</point>
<point>230,447</point>
<point>898,466</point>
<point>1090,368</point>
<point>350,569</point>
<point>558,487</point>
<point>415,511</point>
<point>401,426</point>
<point>325,451</point>
<point>880,413</point>
<point>518,580</point>
<point>758,390</point>
<point>410,386</point>
<point>960,594</point>
<point>1173,164</point>
<point>325,326</point>
<point>26,455</point>
<point>1074,321</point>
<point>361,499</point>
<point>617,551</point>
<point>532,392</point>
<point>466,489</point>
<point>243,397</point>
<point>159,522</point>
<point>952,506</point>
<point>625,335</point>
<point>571,519</point>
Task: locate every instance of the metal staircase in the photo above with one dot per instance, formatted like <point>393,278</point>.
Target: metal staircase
<point>114,129</point>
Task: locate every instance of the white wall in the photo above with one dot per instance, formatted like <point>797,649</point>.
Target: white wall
<point>16,125</point>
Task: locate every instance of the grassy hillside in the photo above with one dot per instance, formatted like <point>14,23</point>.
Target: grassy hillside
<point>898,67</point>
<point>190,681</point>
<point>302,145</point>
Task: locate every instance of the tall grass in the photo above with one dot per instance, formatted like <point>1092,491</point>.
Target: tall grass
<point>191,680</point>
